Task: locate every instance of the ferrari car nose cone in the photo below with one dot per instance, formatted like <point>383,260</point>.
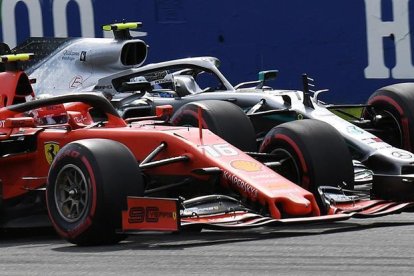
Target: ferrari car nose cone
<point>297,206</point>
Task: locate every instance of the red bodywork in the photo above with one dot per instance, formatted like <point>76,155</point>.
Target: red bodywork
<point>22,171</point>
<point>15,87</point>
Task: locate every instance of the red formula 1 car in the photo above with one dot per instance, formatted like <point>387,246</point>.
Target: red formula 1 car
<point>105,177</point>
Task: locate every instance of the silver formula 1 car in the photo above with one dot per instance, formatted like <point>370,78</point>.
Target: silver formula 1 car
<point>379,135</point>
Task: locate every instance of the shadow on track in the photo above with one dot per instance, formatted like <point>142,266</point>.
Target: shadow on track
<point>168,241</point>
<point>8,237</point>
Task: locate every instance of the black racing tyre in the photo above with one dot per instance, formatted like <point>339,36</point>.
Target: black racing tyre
<point>312,154</point>
<point>223,118</point>
<point>88,185</point>
<point>396,102</point>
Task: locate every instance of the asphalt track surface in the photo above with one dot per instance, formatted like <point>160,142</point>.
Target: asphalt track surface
<point>380,246</point>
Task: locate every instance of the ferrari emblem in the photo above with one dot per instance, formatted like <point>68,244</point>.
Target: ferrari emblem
<point>51,149</point>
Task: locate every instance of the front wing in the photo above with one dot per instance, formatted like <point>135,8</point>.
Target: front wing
<point>158,214</point>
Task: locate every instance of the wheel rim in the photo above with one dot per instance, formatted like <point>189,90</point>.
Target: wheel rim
<point>71,193</point>
<point>289,168</point>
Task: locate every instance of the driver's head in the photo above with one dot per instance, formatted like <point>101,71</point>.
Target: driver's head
<point>50,115</point>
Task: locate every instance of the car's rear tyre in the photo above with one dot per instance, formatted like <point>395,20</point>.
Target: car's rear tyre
<point>312,154</point>
<point>88,185</point>
<point>395,104</point>
<point>223,118</point>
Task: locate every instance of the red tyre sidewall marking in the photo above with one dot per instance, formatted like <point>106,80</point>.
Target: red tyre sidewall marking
<point>305,178</point>
<point>404,120</point>
<point>88,220</point>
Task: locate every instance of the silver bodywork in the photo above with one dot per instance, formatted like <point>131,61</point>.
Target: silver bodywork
<point>79,64</point>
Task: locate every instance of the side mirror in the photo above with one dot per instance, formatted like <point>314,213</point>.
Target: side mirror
<point>268,75</point>
<point>164,111</point>
<point>19,122</point>
<point>265,76</point>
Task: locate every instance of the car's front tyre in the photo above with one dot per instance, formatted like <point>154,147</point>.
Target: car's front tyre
<point>88,185</point>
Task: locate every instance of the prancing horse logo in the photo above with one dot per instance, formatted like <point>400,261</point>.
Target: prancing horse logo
<point>51,149</point>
